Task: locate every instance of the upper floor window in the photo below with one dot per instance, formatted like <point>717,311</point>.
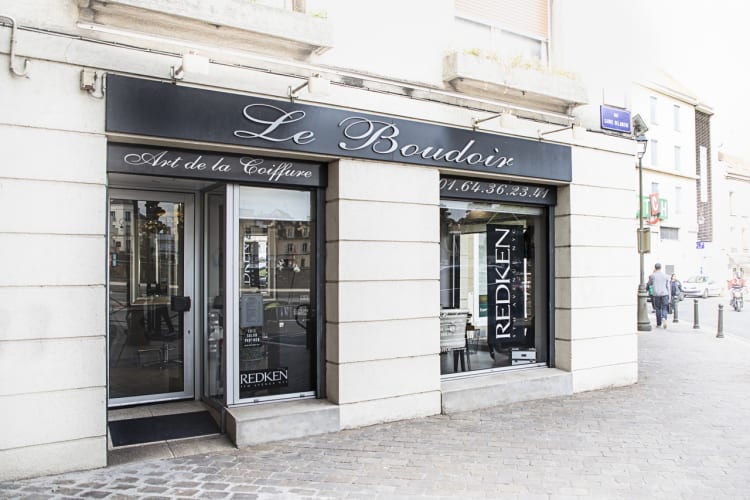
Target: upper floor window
<point>670,233</point>
<point>654,148</point>
<point>294,5</point>
<point>677,200</point>
<point>676,117</point>
<point>477,35</point>
<point>654,110</point>
<point>509,29</point>
<point>677,158</point>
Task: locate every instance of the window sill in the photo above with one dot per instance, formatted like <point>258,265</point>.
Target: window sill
<point>500,388</point>
<point>529,87</point>
<point>235,24</point>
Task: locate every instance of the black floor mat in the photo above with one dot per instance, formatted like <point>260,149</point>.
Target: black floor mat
<point>150,429</point>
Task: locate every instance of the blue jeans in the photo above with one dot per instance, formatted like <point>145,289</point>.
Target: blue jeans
<point>660,304</point>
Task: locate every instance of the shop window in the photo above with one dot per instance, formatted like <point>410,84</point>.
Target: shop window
<point>493,286</point>
<point>275,334</point>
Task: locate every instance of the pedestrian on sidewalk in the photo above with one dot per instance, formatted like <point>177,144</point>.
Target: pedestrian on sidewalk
<point>675,288</point>
<point>661,290</point>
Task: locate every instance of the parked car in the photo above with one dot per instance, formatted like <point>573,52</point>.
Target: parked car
<point>702,286</point>
<point>680,296</point>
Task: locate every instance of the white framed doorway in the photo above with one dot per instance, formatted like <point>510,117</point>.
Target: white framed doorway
<point>151,294</point>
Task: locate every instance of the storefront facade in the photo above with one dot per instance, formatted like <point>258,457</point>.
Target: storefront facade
<point>298,267</point>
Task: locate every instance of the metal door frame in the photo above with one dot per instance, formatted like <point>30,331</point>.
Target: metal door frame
<point>190,269</point>
<point>233,294</point>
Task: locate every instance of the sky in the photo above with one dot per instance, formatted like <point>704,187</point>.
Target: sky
<point>704,45</point>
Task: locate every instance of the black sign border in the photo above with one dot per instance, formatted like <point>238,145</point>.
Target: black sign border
<point>159,109</point>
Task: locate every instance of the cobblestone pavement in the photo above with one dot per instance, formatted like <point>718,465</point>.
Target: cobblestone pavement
<point>682,432</point>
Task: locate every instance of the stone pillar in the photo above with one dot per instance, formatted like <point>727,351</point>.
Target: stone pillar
<point>382,286</point>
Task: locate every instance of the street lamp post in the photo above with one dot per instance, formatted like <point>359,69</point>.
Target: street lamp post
<point>644,324</point>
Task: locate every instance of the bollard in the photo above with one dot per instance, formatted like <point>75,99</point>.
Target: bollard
<point>720,329</point>
<point>675,316</point>
<point>695,314</point>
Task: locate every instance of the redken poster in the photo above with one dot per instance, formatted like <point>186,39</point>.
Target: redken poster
<point>507,325</point>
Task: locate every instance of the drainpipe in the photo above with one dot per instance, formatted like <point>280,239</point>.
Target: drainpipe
<point>13,49</point>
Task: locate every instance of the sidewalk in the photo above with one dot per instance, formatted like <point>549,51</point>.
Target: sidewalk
<point>682,432</point>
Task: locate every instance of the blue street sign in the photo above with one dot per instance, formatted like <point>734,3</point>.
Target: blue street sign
<point>615,119</point>
<point>700,245</point>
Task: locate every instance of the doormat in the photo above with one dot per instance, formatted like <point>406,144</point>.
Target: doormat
<point>150,429</point>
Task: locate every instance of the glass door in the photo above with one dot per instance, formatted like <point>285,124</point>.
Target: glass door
<point>150,297</point>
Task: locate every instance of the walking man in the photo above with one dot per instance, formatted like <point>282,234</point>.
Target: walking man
<point>659,283</point>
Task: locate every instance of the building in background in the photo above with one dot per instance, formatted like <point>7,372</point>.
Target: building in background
<point>676,179</point>
<point>677,167</point>
<point>299,217</point>
<point>733,210</point>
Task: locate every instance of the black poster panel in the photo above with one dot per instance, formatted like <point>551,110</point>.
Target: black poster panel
<point>160,109</point>
<point>506,325</point>
<point>169,162</point>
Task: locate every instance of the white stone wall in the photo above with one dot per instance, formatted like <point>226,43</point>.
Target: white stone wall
<point>382,286</point>
<point>382,250</point>
<point>52,275</point>
<point>660,167</point>
<point>596,271</point>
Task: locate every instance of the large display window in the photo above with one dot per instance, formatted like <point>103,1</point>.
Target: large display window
<point>275,276</point>
<point>494,285</point>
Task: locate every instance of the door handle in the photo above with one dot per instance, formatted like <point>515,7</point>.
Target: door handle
<point>179,303</point>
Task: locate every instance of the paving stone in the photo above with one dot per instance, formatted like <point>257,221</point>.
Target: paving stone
<point>682,432</point>
<point>95,494</point>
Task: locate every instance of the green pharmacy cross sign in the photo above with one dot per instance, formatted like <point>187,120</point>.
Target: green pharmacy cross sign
<point>646,208</point>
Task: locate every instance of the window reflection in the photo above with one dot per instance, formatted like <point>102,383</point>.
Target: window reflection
<point>276,335</point>
<point>146,347</point>
<point>492,286</point>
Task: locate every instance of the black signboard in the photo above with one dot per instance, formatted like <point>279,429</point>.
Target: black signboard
<point>148,160</point>
<point>160,109</point>
<point>516,192</point>
<point>506,287</point>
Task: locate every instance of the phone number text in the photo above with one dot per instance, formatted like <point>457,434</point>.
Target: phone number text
<point>517,190</point>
